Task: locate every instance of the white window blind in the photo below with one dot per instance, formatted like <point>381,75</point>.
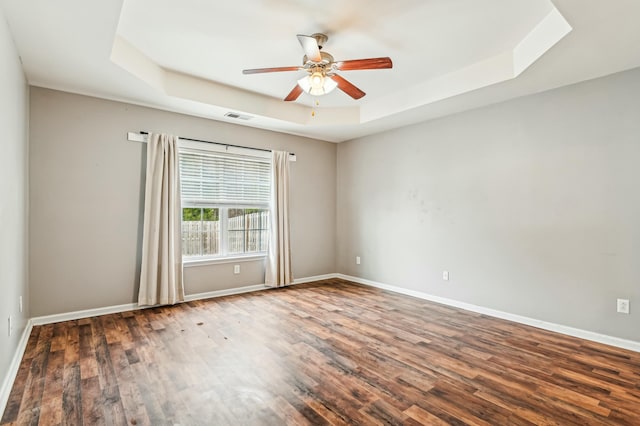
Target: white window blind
<point>210,178</point>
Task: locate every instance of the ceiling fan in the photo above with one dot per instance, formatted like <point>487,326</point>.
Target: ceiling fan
<point>321,69</point>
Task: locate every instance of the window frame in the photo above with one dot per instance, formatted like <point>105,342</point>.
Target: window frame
<point>223,207</point>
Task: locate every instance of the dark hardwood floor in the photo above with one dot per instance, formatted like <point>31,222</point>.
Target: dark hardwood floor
<point>330,352</point>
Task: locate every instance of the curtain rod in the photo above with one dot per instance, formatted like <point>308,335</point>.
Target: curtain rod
<point>132,137</point>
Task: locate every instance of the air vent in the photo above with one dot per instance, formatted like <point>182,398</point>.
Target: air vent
<point>238,116</point>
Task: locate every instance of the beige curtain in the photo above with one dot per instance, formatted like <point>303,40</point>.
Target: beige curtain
<point>161,274</point>
<point>278,271</point>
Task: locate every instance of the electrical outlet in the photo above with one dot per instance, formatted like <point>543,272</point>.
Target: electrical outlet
<point>10,326</point>
<point>236,269</point>
<point>623,306</point>
<point>20,301</point>
<point>357,260</point>
<point>445,275</point>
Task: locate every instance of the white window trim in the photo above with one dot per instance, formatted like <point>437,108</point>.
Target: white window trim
<point>223,216</point>
<point>189,262</point>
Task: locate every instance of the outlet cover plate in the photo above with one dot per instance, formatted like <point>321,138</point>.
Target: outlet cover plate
<point>623,306</point>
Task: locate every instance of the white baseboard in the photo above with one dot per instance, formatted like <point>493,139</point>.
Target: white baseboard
<point>575,332</point>
<point>10,377</point>
<point>225,292</point>
<point>558,328</point>
<point>250,288</point>
<point>86,313</point>
<point>315,278</point>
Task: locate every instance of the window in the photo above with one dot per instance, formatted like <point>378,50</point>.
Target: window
<point>247,231</point>
<point>200,231</point>
<point>225,204</point>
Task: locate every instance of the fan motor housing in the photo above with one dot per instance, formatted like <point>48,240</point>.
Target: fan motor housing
<point>326,60</point>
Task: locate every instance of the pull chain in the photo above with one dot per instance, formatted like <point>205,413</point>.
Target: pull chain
<point>313,112</point>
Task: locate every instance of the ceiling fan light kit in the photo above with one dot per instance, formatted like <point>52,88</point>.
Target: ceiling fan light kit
<point>317,83</point>
<point>321,78</point>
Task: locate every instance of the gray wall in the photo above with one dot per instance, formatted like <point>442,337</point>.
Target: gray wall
<point>87,197</point>
<point>13,197</point>
<point>532,205</point>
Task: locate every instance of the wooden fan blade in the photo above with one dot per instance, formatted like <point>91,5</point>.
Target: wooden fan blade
<point>310,46</point>
<point>277,69</point>
<point>364,64</point>
<point>293,95</point>
<point>347,87</point>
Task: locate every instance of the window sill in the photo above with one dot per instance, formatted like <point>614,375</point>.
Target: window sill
<point>220,260</point>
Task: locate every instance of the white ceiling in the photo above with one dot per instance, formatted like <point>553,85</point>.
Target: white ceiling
<point>449,55</point>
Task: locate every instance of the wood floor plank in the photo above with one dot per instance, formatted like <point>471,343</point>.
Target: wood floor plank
<point>324,353</point>
<point>17,391</point>
<point>72,394</point>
